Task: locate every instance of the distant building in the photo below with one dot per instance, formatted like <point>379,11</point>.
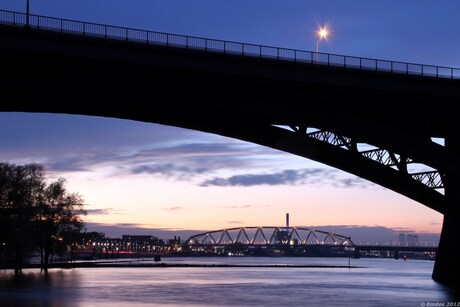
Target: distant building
<point>91,236</point>
<point>137,238</point>
<point>174,245</point>
<point>402,239</point>
<point>86,240</point>
<point>412,239</point>
<point>143,243</point>
<point>174,241</point>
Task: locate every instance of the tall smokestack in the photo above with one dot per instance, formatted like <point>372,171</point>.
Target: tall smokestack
<point>287,222</point>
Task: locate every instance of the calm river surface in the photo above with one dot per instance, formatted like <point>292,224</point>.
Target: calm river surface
<point>369,282</point>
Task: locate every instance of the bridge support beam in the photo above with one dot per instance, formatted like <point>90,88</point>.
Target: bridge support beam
<point>446,269</point>
<point>356,253</point>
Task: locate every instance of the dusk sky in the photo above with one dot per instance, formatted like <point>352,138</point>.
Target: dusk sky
<point>134,174</point>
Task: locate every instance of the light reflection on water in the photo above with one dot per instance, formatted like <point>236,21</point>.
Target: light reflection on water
<point>374,282</point>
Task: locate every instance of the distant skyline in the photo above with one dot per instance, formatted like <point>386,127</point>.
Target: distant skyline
<point>150,176</point>
<point>360,235</point>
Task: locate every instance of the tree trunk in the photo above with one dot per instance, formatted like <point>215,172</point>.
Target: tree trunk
<point>41,257</point>
<point>46,256</point>
<point>18,260</point>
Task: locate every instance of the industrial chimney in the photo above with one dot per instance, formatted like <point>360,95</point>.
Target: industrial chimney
<point>287,222</point>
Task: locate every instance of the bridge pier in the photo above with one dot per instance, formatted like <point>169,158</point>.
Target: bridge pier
<point>356,253</point>
<point>446,268</point>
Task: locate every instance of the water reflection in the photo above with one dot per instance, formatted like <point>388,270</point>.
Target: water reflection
<point>38,288</point>
<point>374,282</point>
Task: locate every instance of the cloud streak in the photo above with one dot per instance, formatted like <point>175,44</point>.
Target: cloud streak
<point>169,170</point>
<point>237,206</point>
<point>175,208</point>
<point>125,148</point>
<point>287,177</point>
<point>98,211</point>
<point>103,211</point>
<point>235,222</point>
<point>180,162</point>
<point>185,161</point>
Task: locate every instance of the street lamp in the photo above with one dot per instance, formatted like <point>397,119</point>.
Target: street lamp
<point>27,13</point>
<point>322,33</point>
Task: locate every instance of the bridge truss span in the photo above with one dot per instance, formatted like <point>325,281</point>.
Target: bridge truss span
<point>268,236</point>
<point>398,168</point>
<point>431,179</point>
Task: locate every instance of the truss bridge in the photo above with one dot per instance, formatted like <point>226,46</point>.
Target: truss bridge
<point>265,240</point>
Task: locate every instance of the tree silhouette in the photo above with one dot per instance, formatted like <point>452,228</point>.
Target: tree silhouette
<point>33,214</point>
<point>59,215</point>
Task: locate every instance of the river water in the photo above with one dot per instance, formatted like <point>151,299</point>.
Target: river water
<point>368,282</point>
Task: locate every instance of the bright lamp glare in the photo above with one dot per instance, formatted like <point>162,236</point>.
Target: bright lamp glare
<point>323,33</point>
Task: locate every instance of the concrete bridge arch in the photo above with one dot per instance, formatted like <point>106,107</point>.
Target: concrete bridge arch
<point>373,124</point>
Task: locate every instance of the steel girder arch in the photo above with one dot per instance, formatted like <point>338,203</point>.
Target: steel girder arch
<point>268,235</point>
<point>387,162</point>
<point>414,143</point>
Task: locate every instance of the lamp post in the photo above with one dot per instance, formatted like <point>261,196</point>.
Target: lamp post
<point>322,33</point>
<point>27,13</point>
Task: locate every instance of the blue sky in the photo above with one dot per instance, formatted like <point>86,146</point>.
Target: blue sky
<point>141,175</point>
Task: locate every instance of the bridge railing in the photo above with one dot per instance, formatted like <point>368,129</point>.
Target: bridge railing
<point>222,46</point>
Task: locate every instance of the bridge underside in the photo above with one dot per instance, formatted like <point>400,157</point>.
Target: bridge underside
<point>376,125</point>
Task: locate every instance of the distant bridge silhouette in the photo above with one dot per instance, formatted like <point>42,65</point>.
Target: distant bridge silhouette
<point>372,118</point>
<point>268,236</point>
<point>270,240</point>
<point>278,237</point>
